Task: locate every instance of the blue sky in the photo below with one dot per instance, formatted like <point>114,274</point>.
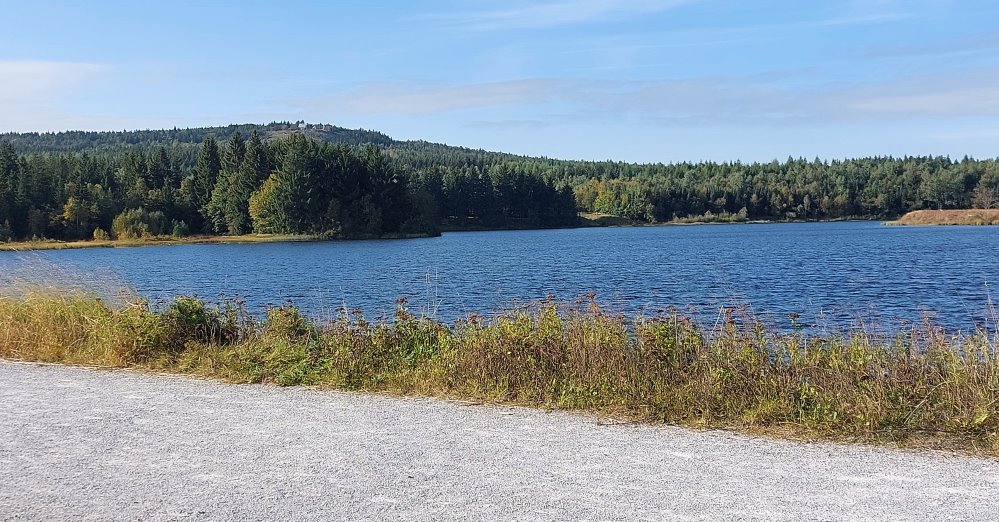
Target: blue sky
<point>636,80</point>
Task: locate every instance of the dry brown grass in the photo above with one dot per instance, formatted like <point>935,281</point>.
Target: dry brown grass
<point>922,387</point>
<point>949,217</point>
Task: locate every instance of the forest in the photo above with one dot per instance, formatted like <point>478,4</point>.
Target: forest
<point>341,183</point>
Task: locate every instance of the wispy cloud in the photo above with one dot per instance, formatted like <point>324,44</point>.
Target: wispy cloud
<point>703,100</point>
<point>724,36</point>
<point>942,99</point>
<point>982,43</point>
<point>554,13</point>
<point>511,124</point>
<point>399,98</point>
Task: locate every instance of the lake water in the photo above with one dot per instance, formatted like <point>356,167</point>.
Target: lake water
<point>833,274</point>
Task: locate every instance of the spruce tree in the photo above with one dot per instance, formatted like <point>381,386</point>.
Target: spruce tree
<point>206,174</point>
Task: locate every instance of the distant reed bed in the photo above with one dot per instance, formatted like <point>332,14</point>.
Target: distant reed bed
<point>919,387</point>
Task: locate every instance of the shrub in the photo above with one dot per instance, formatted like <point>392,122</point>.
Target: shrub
<point>100,234</point>
<point>180,229</point>
<point>288,322</point>
<point>189,319</point>
<point>138,223</point>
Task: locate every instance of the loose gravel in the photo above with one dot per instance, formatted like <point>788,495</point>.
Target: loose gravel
<point>117,445</point>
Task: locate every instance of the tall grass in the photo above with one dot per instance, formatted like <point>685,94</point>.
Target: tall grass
<point>921,386</point>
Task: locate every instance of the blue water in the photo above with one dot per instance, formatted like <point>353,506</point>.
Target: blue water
<point>832,274</point>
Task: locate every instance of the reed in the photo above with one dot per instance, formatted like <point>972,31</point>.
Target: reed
<point>920,387</point>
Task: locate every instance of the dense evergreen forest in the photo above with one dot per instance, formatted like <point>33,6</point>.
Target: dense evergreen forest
<point>335,182</point>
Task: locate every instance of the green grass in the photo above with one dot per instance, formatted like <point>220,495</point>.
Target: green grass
<point>920,388</point>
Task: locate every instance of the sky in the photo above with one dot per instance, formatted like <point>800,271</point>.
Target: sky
<point>629,80</point>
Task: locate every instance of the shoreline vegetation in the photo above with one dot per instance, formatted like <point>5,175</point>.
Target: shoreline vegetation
<point>586,220</point>
<point>47,244</point>
<point>919,388</point>
<point>971,216</point>
<point>964,217</point>
<point>318,179</point>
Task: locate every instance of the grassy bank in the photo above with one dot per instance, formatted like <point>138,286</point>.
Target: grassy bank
<point>919,388</point>
<point>171,240</point>
<point>949,217</point>
<point>150,241</point>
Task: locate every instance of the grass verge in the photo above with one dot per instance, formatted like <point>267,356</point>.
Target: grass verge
<point>920,387</point>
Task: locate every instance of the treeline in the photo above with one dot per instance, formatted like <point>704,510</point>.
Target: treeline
<point>91,141</point>
<point>793,189</point>
<point>326,180</point>
<point>293,183</point>
<point>503,195</point>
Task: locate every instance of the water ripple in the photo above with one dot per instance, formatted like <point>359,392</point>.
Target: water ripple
<point>830,273</point>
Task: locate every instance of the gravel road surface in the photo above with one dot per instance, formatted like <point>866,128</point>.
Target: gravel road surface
<point>116,445</point>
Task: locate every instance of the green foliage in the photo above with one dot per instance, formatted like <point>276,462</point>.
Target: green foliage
<point>206,174</point>
<point>288,322</point>
<point>228,210</point>
<point>662,368</point>
<point>334,190</point>
<point>138,223</point>
<point>179,229</point>
<point>341,183</point>
<point>189,319</point>
<point>267,207</point>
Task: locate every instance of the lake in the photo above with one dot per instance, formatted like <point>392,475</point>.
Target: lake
<point>833,274</point>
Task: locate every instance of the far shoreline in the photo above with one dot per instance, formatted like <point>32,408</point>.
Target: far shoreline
<point>47,244</point>
<point>600,221</point>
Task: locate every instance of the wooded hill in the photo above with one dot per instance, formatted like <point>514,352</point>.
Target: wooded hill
<point>320,179</point>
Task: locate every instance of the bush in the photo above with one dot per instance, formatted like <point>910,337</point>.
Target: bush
<point>189,319</point>
<point>180,229</point>
<point>288,322</point>
<point>100,234</point>
<point>138,223</point>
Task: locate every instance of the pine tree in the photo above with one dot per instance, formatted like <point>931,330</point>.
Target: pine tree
<point>226,210</point>
<point>253,170</point>
<point>235,152</point>
<point>8,171</point>
<point>159,169</point>
<point>206,174</point>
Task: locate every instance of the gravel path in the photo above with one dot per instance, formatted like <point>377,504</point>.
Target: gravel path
<point>88,444</point>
